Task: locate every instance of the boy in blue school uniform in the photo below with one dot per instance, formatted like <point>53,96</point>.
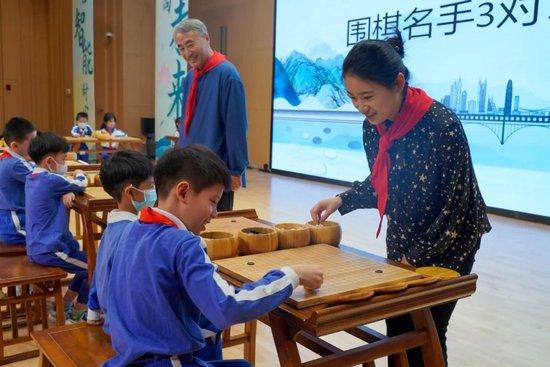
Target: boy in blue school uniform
<point>14,169</point>
<point>128,177</point>
<point>48,194</point>
<point>162,281</point>
<point>81,128</point>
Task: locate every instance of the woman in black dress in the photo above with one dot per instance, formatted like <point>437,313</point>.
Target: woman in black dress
<point>422,177</point>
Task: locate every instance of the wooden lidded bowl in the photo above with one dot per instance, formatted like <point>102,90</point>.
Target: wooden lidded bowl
<point>255,240</point>
<point>220,245</point>
<point>325,232</point>
<point>292,235</point>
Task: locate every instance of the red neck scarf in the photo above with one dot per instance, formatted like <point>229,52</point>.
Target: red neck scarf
<point>213,61</point>
<point>415,106</point>
<point>5,155</point>
<point>151,216</point>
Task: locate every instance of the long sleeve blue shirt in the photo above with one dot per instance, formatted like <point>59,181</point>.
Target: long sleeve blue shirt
<point>14,170</point>
<point>161,282</point>
<point>219,120</point>
<point>116,222</point>
<point>46,216</point>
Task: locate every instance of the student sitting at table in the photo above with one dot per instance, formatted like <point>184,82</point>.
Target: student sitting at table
<point>128,177</point>
<point>162,281</point>
<point>48,194</point>
<point>108,130</point>
<point>14,169</point>
<point>80,129</point>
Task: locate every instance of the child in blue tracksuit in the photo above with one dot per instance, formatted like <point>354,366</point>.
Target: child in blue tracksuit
<point>48,194</point>
<point>81,128</point>
<point>128,177</point>
<point>14,169</point>
<point>162,281</point>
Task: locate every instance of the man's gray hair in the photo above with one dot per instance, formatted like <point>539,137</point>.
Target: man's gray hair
<point>191,24</point>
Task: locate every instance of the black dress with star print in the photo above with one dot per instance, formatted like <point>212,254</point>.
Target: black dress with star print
<point>435,211</point>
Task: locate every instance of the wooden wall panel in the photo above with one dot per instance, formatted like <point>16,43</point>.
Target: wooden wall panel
<point>34,50</point>
<point>107,59</point>
<point>138,77</point>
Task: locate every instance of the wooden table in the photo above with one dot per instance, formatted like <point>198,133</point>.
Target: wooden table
<point>132,142</point>
<point>94,200</point>
<point>73,165</point>
<point>291,324</point>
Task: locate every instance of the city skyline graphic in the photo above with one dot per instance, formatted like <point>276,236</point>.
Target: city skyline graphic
<point>482,109</point>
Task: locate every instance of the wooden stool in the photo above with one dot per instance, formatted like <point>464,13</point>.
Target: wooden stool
<point>12,250</point>
<point>45,282</point>
<point>81,345</point>
<point>73,345</point>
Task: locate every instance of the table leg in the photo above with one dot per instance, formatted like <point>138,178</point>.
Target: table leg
<point>249,347</point>
<point>283,335</point>
<point>59,307</point>
<point>431,351</point>
<point>88,242</point>
<point>43,360</point>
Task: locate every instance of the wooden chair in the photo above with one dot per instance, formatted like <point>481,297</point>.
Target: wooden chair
<point>81,345</point>
<point>12,250</point>
<point>45,281</point>
<point>73,345</point>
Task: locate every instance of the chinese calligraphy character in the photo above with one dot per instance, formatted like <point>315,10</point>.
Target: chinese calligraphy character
<point>391,23</point>
<point>358,30</point>
<point>417,23</point>
<point>455,15</point>
<point>177,90</point>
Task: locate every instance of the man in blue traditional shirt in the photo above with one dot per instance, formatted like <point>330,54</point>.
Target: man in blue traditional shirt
<point>214,105</point>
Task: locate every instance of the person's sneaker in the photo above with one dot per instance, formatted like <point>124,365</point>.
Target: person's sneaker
<point>75,316</point>
<point>94,317</point>
<point>52,315</point>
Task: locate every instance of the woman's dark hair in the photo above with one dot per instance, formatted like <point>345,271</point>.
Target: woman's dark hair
<point>194,163</point>
<point>123,168</point>
<point>45,144</point>
<point>377,60</point>
<point>17,129</point>
<point>106,118</point>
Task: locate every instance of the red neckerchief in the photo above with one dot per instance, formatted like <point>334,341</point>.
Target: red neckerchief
<point>148,215</point>
<point>213,61</point>
<point>5,155</point>
<point>415,106</point>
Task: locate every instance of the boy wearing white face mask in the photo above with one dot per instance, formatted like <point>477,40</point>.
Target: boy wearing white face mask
<point>128,177</point>
<point>81,128</point>
<point>49,241</point>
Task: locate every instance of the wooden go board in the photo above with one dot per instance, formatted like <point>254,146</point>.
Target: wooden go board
<point>344,273</point>
<point>233,224</point>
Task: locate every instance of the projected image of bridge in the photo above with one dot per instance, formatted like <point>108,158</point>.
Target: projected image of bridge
<point>503,122</point>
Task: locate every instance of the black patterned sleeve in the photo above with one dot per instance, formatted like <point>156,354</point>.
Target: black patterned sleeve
<point>360,196</point>
<point>455,184</point>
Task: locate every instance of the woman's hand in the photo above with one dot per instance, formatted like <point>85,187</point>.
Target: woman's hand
<point>324,208</point>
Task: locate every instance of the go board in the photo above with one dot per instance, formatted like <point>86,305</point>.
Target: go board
<point>344,273</point>
<point>233,224</point>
